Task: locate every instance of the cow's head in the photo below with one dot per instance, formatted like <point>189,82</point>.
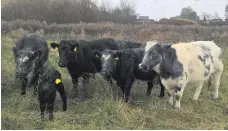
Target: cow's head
<point>25,61</point>
<point>49,77</point>
<point>153,57</point>
<point>109,59</point>
<point>65,48</point>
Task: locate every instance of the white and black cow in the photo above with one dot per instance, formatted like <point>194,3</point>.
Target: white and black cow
<point>29,50</point>
<point>184,63</point>
<point>122,65</point>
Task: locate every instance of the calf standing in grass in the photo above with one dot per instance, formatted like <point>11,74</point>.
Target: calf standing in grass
<point>48,83</point>
<point>122,65</point>
<point>29,49</point>
<point>183,63</point>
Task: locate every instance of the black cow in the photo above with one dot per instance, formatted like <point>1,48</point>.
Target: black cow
<point>28,49</point>
<point>49,82</point>
<point>77,56</point>
<point>122,65</point>
<point>129,44</point>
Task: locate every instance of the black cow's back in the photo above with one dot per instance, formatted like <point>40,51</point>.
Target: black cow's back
<point>128,44</point>
<point>102,44</point>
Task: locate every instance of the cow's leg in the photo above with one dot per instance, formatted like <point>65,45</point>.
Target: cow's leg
<point>149,88</point>
<point>171,93</point>
<point>178,94</point>
<point>42,109</point>
<point>162,91</point>
<point>109,79</point>
<point>50,102</point>
<point>85,80</point>
<point>85,83</point>
<point>62,93</point>
<point>50,107</point>
<point>121,84</point>
<point>23,86</point>
<point>198,90</point>
<point>75,84</point>
<point>41,96</point>
<point>35,87</point>
<point>169,89</point>
<point>127,89</point>
<point>216,82</point>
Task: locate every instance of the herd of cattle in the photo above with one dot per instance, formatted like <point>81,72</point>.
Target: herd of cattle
<point>123,61</point>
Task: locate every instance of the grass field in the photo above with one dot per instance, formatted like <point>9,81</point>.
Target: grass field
<point>105,110</point>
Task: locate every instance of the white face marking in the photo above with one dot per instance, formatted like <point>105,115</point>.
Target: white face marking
<point>24,59</point>
<point>150,44</point>
<point>156,68</point>
<point>106,57</point>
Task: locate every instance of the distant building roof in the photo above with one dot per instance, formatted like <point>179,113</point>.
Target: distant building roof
<point>216,20</point>
<point>143,17</point>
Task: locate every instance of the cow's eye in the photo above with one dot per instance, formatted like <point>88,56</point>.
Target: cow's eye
<point>46,78</point>
<point>154,53</point>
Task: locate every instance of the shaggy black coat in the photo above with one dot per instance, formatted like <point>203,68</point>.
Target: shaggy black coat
<point>28,49</point>
<point>49,82</point>
<point>123,67</point>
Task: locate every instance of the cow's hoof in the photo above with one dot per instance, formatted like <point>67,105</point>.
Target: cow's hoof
<point>126,100</point>
<point>161,95</point>
<point>23,93</point>
<point>42,117</point>
<point>64,108</point>
<point>51,118</point>
<point>148,93</point>
<point>34,94</point>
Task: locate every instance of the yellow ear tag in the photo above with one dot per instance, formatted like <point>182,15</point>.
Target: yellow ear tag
<point>75,49</point>
<point>116,58</point>
<point>57,81</point>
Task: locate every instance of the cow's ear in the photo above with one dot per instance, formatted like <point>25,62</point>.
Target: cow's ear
<point>164,46</point>
<point>171,64</point>
<point>74,47</point>
<point>37,53</point>
<point>54,45</point>
<point>14,51</point>
<point>96,54</point>
<point>117,55</point>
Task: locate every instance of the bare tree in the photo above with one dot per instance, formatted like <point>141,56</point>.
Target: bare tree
<point>216,16</point>
<point>67,11</point>
<point>206,15</point>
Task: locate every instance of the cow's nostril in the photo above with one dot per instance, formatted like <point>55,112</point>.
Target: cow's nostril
<point>103,73</point>
<point>142,67</point>
<point>61,64</point>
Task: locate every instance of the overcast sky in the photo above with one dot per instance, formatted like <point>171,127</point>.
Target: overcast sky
<point>157,9</point>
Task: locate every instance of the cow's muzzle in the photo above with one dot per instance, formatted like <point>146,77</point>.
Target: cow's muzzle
<point>142,67</point>
<point>61,64</point>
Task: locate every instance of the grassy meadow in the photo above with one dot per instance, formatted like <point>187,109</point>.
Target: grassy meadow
<point>104,109</point>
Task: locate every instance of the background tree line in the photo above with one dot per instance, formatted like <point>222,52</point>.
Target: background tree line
<point>66,11</point>
<point>74,11</point>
